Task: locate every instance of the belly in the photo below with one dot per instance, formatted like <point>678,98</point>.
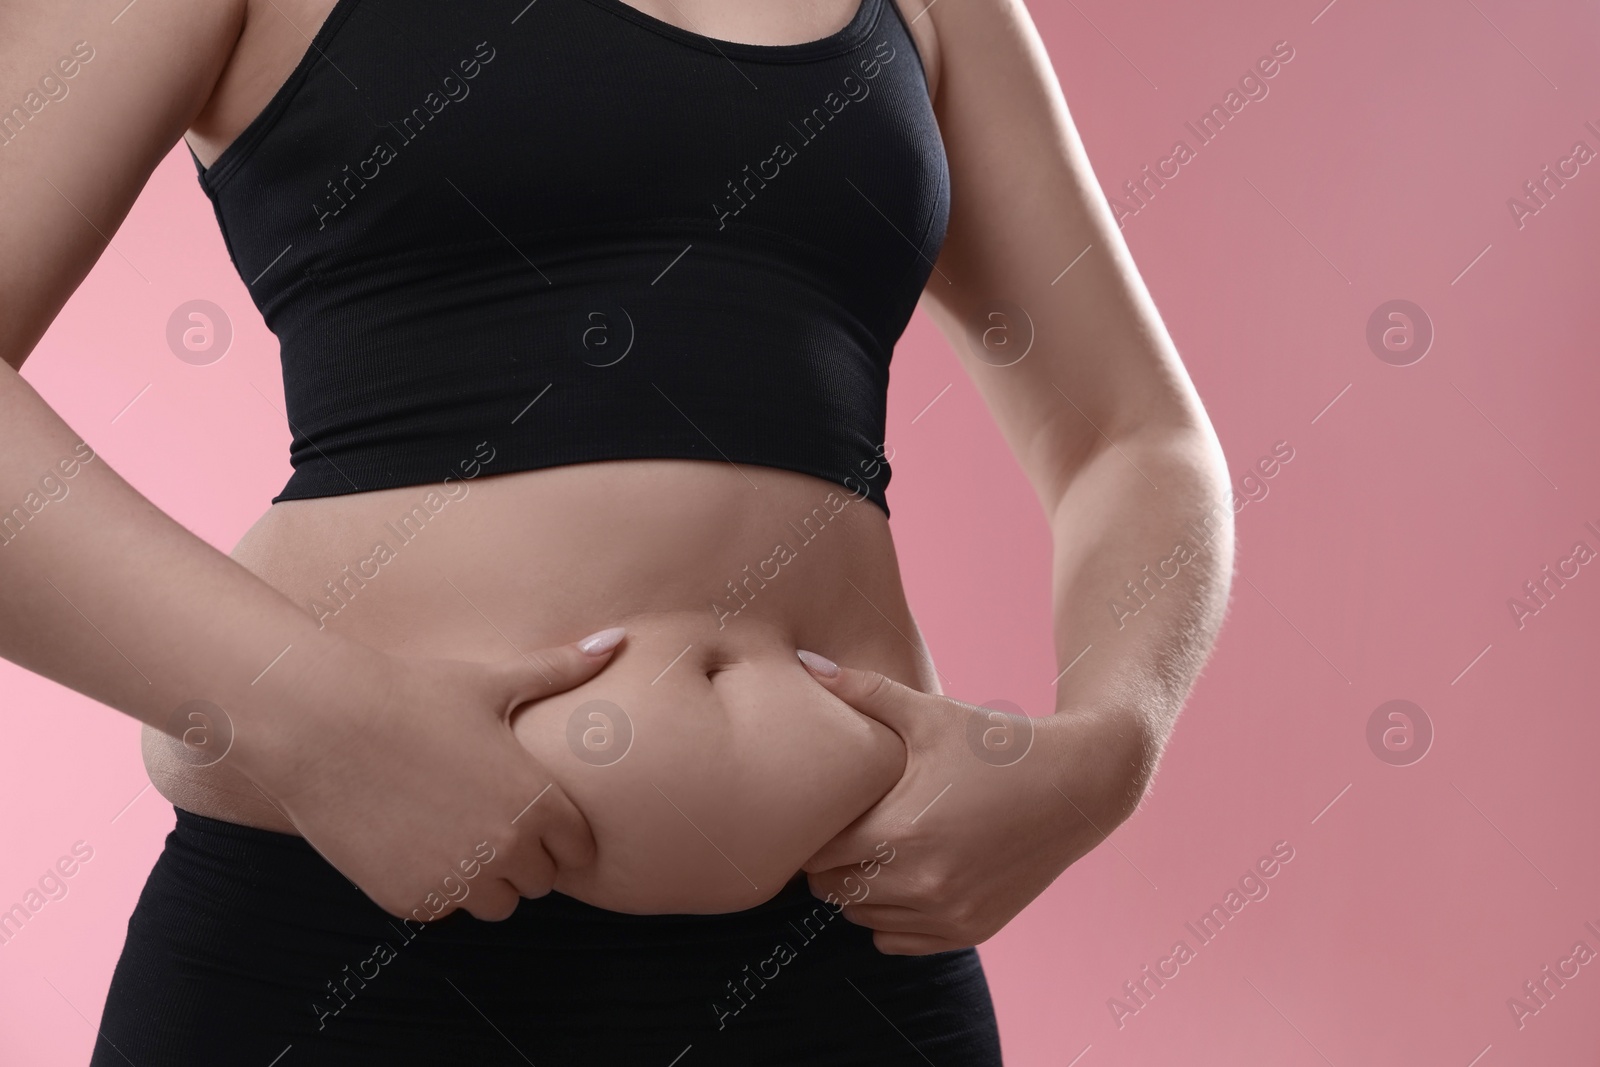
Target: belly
<point>708,762</point>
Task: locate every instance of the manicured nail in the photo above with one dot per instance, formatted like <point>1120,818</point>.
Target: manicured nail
<point>818,664</point>
<point>604,641</point>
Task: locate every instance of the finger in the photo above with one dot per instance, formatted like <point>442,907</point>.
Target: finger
<point>844,853</point>
<point>562,829</point>
<point>528,868</point>
<point>848,884</point>
<point>397,910</point>
<point>546,671</point>
<point>856,844</point>
<point>491,900</point>
<point>894,943</point>
<point>890,918</point>
<point>899,707</point>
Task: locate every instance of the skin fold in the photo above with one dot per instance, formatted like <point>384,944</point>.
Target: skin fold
<point>740,766</point>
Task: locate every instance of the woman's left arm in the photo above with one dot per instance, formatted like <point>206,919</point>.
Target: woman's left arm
<point>1038,294</point>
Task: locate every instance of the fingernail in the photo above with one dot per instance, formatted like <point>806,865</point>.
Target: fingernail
<point>818,664</point>
<point>604,641</point>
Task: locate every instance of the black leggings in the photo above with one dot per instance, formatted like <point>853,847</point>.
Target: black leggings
<point>246,947</point>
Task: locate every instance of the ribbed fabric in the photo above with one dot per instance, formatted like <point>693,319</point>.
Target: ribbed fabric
<point>579,233</point>
<point>246,947</point>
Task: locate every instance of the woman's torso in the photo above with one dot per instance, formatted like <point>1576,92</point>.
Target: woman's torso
<point>737,765</point>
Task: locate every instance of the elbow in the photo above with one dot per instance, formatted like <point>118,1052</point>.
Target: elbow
<point>1172,449</point>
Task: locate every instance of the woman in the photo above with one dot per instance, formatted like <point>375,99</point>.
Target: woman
<point>586,309</point>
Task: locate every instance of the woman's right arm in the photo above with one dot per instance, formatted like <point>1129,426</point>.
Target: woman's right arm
<point>396,770</point>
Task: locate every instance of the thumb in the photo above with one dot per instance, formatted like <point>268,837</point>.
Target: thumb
<point>548,671</point>
<point>899,707</point>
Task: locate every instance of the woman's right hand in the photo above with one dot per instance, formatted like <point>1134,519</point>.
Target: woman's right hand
<point>396,770</point>
<point>422,796</point>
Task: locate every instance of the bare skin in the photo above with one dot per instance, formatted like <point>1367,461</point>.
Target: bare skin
<point>742,766</point>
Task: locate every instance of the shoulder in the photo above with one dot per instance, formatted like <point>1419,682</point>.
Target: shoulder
<point>968,41</point>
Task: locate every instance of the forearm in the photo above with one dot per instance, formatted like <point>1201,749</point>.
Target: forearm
<point>1143,560</point>
<point>108,596</point>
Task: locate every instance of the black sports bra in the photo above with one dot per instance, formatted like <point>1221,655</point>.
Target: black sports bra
<point>574,232</point>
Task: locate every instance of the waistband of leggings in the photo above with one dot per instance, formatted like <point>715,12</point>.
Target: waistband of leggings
<point>232,837</point>
<point>235,841</point>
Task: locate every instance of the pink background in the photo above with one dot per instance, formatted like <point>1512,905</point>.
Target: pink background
<point>1378,567</point>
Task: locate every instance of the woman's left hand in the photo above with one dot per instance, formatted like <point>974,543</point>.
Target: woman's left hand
<point>992,807</point>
